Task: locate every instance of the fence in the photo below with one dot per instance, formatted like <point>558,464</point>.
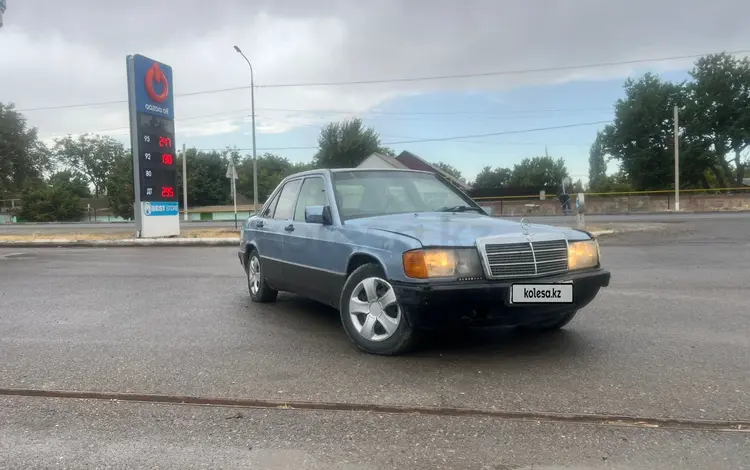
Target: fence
<point>693,200</point>
<point>632,202</point>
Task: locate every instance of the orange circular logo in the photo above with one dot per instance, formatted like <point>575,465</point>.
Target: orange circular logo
<point>155,75</point>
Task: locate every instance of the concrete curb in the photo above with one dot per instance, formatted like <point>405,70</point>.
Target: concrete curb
<point>131,242</point>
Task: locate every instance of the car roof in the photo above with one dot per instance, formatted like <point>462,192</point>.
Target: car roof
<point>408,170</point>
<point>348,170</point>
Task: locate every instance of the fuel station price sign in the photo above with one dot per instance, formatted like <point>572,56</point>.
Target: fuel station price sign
<point>157,162</point>
<point>152,134</point>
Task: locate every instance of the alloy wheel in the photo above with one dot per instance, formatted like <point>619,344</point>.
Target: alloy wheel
<point>253,275</point>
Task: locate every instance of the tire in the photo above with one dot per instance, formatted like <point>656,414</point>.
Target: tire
<point>553,324</point>
<point>257,285</point>
<point>383,331</point>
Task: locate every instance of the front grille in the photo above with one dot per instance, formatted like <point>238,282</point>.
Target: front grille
<point>526,259</point>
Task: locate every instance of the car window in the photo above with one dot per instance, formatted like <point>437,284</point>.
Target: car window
<point>312,193</point>
<point>399,199</point>
<point>348,196</point>
<point>434,194</point>
<point>380,192</point>
<point>270,207</point>
<point>287,199</point>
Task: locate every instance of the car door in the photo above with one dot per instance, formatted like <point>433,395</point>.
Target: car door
<point>272,232</point>
<point>314,266</point>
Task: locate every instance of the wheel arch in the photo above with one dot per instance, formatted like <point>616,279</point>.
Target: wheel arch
<point>249,247</point>
<point>362,258</point>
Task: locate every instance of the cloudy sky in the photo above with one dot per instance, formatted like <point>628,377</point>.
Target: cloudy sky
<point>56,56</point>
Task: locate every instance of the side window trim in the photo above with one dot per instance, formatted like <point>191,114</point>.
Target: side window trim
<point>270,205</point>
<point>299,194</point>
<point>281,192</point>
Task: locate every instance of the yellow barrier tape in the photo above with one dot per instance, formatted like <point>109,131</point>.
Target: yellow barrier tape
<point>616,193</point>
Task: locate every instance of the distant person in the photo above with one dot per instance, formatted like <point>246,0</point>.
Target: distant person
<point>565,202</point>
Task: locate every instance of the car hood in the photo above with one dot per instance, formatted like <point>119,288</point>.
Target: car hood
<point>455,229</point>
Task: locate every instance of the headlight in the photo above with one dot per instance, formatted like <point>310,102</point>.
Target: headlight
<point>431,263</point>
<point>583,254</point>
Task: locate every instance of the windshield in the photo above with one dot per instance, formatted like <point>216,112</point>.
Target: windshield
<point>373,193</point>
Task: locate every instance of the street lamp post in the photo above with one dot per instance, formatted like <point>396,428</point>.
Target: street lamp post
<point>252,104</point>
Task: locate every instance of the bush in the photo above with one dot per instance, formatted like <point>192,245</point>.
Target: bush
<point>49,204</point>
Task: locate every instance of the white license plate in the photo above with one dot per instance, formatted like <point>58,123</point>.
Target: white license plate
<point>557,293</point>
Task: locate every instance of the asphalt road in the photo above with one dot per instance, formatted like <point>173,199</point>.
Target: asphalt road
<point>668,338</point>
<point>129,227</point>
<point>52,433</point>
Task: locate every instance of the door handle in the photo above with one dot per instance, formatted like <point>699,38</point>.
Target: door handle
<point>289,228</point>
<point>259,224</point>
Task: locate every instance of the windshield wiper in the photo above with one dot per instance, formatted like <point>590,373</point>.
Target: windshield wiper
<point>460,209</point>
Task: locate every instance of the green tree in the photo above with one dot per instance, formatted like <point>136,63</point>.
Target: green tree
<point>23,157</point>
<point>492,178</point>
<point>345,144</point>
<point>539,172</point>
<point>45,203</point>
<point>74,183</point>
<point>90,156</point>
<point>119,187</point>
<point>302,166</point>
<point>450,169</point>
<point>271,170</point>
<point>642,134</point>
<point>207,181</point>
<point>719,111</point>
<point>597,164</point>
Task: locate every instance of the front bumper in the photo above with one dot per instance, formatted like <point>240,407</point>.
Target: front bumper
<point>487,303</point>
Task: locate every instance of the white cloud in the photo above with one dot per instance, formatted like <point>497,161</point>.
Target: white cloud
<point>56,53</point>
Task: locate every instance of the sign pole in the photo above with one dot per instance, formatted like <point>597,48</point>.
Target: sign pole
<point>676,160</point>
<point>232,175</point>
<point>184,181</point>
<point>234,198</point>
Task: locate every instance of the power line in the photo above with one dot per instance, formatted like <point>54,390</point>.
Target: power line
<point>233,115</point>
<point>397,80</point>
<point>493,134</point>
<point>492,74</point>
<point>441,113</point>
<point>438,139</point>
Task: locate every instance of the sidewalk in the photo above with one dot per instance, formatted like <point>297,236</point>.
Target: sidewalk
<point>196,237</point>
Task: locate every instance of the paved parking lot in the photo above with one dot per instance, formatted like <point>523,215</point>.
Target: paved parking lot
<point>668,338</point>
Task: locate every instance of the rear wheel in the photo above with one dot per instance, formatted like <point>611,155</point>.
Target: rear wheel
<point>371,314</point>
<point>259,289</point>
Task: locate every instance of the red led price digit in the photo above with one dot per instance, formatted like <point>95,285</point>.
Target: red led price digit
<point>167,159</point>
<point>167,191</point>
<point>165,142</point>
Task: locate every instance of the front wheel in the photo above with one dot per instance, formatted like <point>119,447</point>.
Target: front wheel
<point>259,289</point>
<point>371,314</point>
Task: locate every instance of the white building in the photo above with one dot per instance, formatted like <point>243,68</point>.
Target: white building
<point>378,160</point>
<point>407,160</point>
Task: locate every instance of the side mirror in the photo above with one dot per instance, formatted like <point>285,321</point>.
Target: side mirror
<point>318,215</point>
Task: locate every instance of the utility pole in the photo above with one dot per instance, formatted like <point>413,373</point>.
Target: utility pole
<point>184,182</point>
<point>676,160</point>
<point>252,105</point>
